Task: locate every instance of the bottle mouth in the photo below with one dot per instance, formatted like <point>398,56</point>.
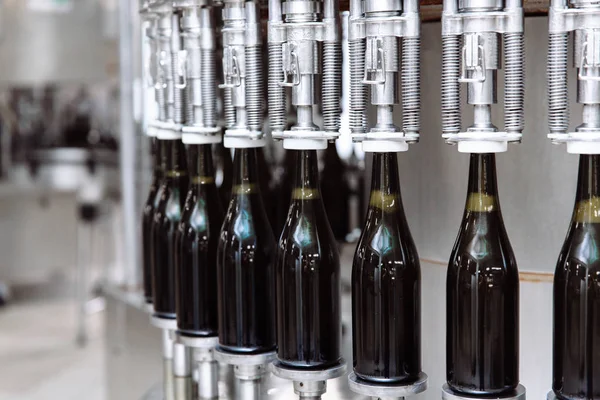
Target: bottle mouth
<point>245,188</point>
<point>481,202</point>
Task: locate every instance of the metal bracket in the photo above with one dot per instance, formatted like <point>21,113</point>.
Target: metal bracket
<point>470,62</point>
<point>231,69</point>
<point>375,62</point>
<point>291,66</point>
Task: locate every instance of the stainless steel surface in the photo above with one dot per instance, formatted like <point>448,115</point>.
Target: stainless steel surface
<point>208,373</point>
<point>299,375</point>
<point>380,390</point>
<point>295,30</point>
<point>581,22</point>
<point>551,396</point>
<point>386,29</point>
<point>479,24</point>
<point>448,394</point>
<point>128,18</point>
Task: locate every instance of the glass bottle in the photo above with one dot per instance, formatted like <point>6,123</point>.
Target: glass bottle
<point>246,269</point>
<point>308,276</point>
<point>576,366</point>
<point>148,218</point>
<point>166,221</point>
<point>482,337</point>
<point>198,237</point>
<point>336,193</point>
<point>386,285</point>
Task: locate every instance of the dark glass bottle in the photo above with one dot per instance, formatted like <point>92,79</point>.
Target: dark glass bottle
<point>246,265</point>
<point>198,238</point>
<point>482,338</point>
<point>148,218</point>
<point>283,190</point>
<point>224,172</point>
<point>166,221</point>
<point>308,276</point>
<point>577,293</point>
<point>386,285</point>
<point>336,193</point>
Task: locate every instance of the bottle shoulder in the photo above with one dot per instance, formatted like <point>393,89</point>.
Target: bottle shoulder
<point>246,224</point>
<point>580,253</point>
<point>308,235</point>
<point>386,241</point>
<point>483,246</point>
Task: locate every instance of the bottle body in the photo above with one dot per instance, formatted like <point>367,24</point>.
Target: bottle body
<point>148,218</point>
<point>482,338</point>
<point>386,285</point>
<point>164,229</point>
<point>576,363</point>
<point>245,259</point>
<point>197,311</point>
<point>308,277</point>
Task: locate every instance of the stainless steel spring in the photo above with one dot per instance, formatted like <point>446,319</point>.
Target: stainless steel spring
<point>209,95</point>
<point>276,93</point>
<point>358,91</point>
<point>514,82</point>
<point>411,85</point>
<point>332,86</point>
<point>254,88</point>
<point>229,113</point>
<point>193,76</point>
<point>451,121</point>
<point>178,93</point>
<point>558,95</point>
<point>161,100</point>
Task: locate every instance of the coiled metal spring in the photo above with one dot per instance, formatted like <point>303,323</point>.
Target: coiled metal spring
<point>209,95</point>
<point>358,91</point>
<point>451,121</point>
<point>558,96</point>
<point>514,82</point>
<point>411,85</point>
<point>178,92</point>
<point>276,93</point>
<point>254,88</point>
<point>332,85</point>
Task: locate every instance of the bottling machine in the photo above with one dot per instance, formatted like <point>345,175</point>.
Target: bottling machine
<point>392,62</point>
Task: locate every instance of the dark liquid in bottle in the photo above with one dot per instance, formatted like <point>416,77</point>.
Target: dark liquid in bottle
<point>482,293</point>
<point>166,221</point>
<point>148,218</point>
<point>197,311</point>
<point>308,277</point>
<point>386,285</point>
<point>246,268</point>
<point>577,294</point>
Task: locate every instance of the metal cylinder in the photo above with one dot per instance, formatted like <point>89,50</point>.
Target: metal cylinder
<point>254,88</point>
<point>558,95</point>
<point>182,366</point>
<point>514,82</point>
<point>248,389</point>
<point>178,71</point>
<point>451,50</point>
<point>332,85</point>
<point>358,91</point>
<point>411,85</point>
<point>276,93</point>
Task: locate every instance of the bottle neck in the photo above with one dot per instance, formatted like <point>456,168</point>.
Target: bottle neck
<point>174,158</point>
<point>156,154</point>
<point>385,186</point>
<point>200,164</point>
<point>483,188</point>
<point>245,167</point>
<point>587,199</point>
<point>306,179</point>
